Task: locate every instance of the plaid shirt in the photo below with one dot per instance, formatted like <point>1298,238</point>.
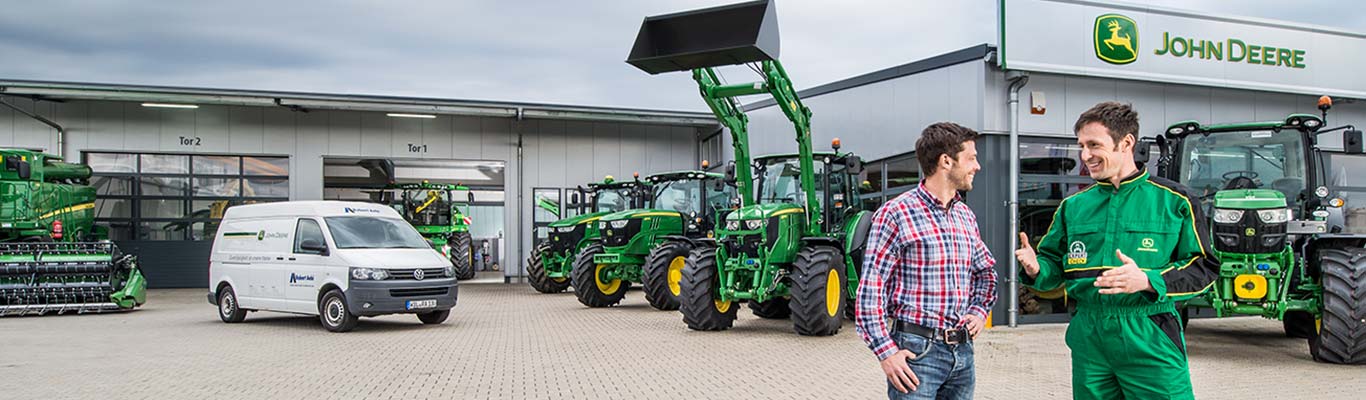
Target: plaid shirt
<point>925,264</point>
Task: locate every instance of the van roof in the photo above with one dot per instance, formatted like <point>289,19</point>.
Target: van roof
<point>310,209</point>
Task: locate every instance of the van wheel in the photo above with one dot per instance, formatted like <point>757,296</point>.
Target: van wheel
<point>336,317</point>
<point>228,309</point>
<point>434,317</point>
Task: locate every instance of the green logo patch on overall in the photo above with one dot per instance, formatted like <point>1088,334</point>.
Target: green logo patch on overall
<point>1116,39</point>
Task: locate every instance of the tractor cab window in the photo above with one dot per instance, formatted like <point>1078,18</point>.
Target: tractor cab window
<point>1245,160</point>
<point>683,196</point>
<point>427,207</point>
<point>612,200</point>
<point>719,199</point>
<point>781,181</point>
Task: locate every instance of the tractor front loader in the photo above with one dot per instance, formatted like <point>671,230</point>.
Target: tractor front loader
<point>795,249</point>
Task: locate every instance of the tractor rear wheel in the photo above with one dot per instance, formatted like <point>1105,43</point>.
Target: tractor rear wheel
<point>1341,337</point>
<point>778,308</point>
<point>460,255</point>
<point>701,309</point>
<point>535,271</point>
<point>589,287</point>
<point>663,274</point>
<point>818,291</point>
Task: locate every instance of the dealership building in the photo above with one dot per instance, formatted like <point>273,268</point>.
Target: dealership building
<point>163,168</point>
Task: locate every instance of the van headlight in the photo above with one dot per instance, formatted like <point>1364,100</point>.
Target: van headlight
<point>450,270</point>
<point>754,224</point>
<point>1275,216</point>
<point>369,274</point>
<point>1226,216</point>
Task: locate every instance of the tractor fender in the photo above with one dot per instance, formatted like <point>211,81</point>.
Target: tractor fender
<point>678,238</point>
<point>1309,252</point>
<point>856,240</point>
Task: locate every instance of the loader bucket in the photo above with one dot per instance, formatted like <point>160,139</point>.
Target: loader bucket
<point>709,37</point>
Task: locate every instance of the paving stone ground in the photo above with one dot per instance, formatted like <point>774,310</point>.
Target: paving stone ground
<point>509,342</point>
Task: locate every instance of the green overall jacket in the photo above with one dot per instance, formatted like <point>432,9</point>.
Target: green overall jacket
<point>1156,222</point>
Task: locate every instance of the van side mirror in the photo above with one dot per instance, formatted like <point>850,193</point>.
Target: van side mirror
<point>26,172</point>
<point>853,164</point>
<point>313,246</point>
<point>1351,142</point>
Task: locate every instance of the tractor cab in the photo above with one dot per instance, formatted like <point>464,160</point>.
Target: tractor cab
<point>835,175</point>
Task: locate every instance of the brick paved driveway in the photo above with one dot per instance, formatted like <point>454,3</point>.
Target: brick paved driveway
<point>508,342</point>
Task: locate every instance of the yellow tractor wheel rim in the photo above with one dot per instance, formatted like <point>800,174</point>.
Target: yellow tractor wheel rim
<point>722,306</point>
<point>832,293</point>
<point>605,287</point>
<point>676,275</point>
<point>557,280</point>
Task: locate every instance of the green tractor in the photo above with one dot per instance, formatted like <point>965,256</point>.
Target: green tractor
<point>440,217</point>
<point>1282,257</point>
<point>796,251</point>
<point>52,257</point>
<point>552,262</point>
<point>651,245</point>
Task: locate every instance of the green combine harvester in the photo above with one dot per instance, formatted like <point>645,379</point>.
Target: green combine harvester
<point>796,251</point>
<point>650,245</point>
<point>51,259</point>
<point>1283,256</point>
<point>549,270</point>
<point>441,218</point>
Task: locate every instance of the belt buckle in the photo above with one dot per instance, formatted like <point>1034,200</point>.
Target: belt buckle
<point>955,336</point>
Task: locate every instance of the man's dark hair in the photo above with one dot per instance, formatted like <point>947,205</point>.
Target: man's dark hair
<point>940,138</point>
<point>1119,118</point>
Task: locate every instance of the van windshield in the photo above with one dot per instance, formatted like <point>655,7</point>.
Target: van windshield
<point>374,233</point>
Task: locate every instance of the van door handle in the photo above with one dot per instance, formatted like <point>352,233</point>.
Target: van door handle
<point>279,258</point>
<point>291,259</point>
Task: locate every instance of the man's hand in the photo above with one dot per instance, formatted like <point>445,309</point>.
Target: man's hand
<point>1028,259</point>
<point>974,324</point>
<point>899,371</point>
<point>1125,279</point>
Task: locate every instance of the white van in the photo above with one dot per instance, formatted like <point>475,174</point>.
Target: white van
<point>338,260</point>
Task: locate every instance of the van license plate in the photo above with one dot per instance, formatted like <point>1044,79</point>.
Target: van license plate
<point>416,304</point>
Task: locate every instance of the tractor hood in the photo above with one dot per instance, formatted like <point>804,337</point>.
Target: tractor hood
<point>578,219</point>
<point>1249,199</point>
<point>762,211</point>
<point>640,213</point>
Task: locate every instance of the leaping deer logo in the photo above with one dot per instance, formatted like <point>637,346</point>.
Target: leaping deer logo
<point>1116,39</point>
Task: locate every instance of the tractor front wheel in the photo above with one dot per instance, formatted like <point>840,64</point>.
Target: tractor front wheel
<point>589,285</point>
<point>1341,337</point>
<point>818,291</point>
<point>702,310</point>
<point>664,274</point>
<point>535,271</point>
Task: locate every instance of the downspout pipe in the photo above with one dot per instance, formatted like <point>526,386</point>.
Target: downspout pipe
<point>1017,81</point>
<point>61,132</point>
<point>521,176</point>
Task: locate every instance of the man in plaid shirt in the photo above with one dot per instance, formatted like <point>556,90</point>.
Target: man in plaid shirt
<point>927,280</point>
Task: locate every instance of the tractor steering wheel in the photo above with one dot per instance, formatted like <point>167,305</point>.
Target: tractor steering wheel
<point>1239,173</point>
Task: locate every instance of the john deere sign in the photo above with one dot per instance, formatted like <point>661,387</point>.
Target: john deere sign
<point>1138,42</point>
<point>1116,39</point>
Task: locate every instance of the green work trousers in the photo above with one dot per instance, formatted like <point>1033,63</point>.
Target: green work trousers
<point>1128,352</point>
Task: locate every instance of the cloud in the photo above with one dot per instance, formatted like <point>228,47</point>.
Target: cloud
<point>533,50</point>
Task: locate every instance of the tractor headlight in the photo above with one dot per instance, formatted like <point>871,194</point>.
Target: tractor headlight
<point>732,225</point>
<point>1276,216</point>
<point>1321,191</point>
<point>754,224</point>
<point>619,224</point>
<point>1226,216</point>
<point>602,225</point>
<point>369,274</point>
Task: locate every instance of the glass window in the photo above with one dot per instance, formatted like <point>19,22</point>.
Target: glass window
<point>113,208</point>
<point>903,172</point>
<point>612,200</point>
<point>112,162</point>
<point>164,164</point>
<point>1049,172</point>
<point>681,195</point>
<point>1340,167</point>
<point>374,233</point>
<point>780,181</point>
<point>307,230</point>
<point>112,185</point>
<point>163,230</point>
<point>1259,159</point>
<point>162,208</point>
<point>265,166</point>
<point>1052,159</point>
<point>217,187</point>
<point>872,177</point>
<point>164,186</point>
<point>217,165</point>
<point>265,187</point>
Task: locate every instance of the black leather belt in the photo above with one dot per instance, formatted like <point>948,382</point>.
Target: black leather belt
<point>948,336</point>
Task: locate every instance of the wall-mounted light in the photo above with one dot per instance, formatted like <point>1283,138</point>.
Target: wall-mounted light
<point>169,105</point>
<point>401,115</point>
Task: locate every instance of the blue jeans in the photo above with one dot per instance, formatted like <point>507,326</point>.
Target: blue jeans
<point>945,370</point>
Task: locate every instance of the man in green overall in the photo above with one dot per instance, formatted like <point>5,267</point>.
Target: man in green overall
<point>1126,248</point>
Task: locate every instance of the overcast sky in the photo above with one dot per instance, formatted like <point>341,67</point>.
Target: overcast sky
<point>568,52</point>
